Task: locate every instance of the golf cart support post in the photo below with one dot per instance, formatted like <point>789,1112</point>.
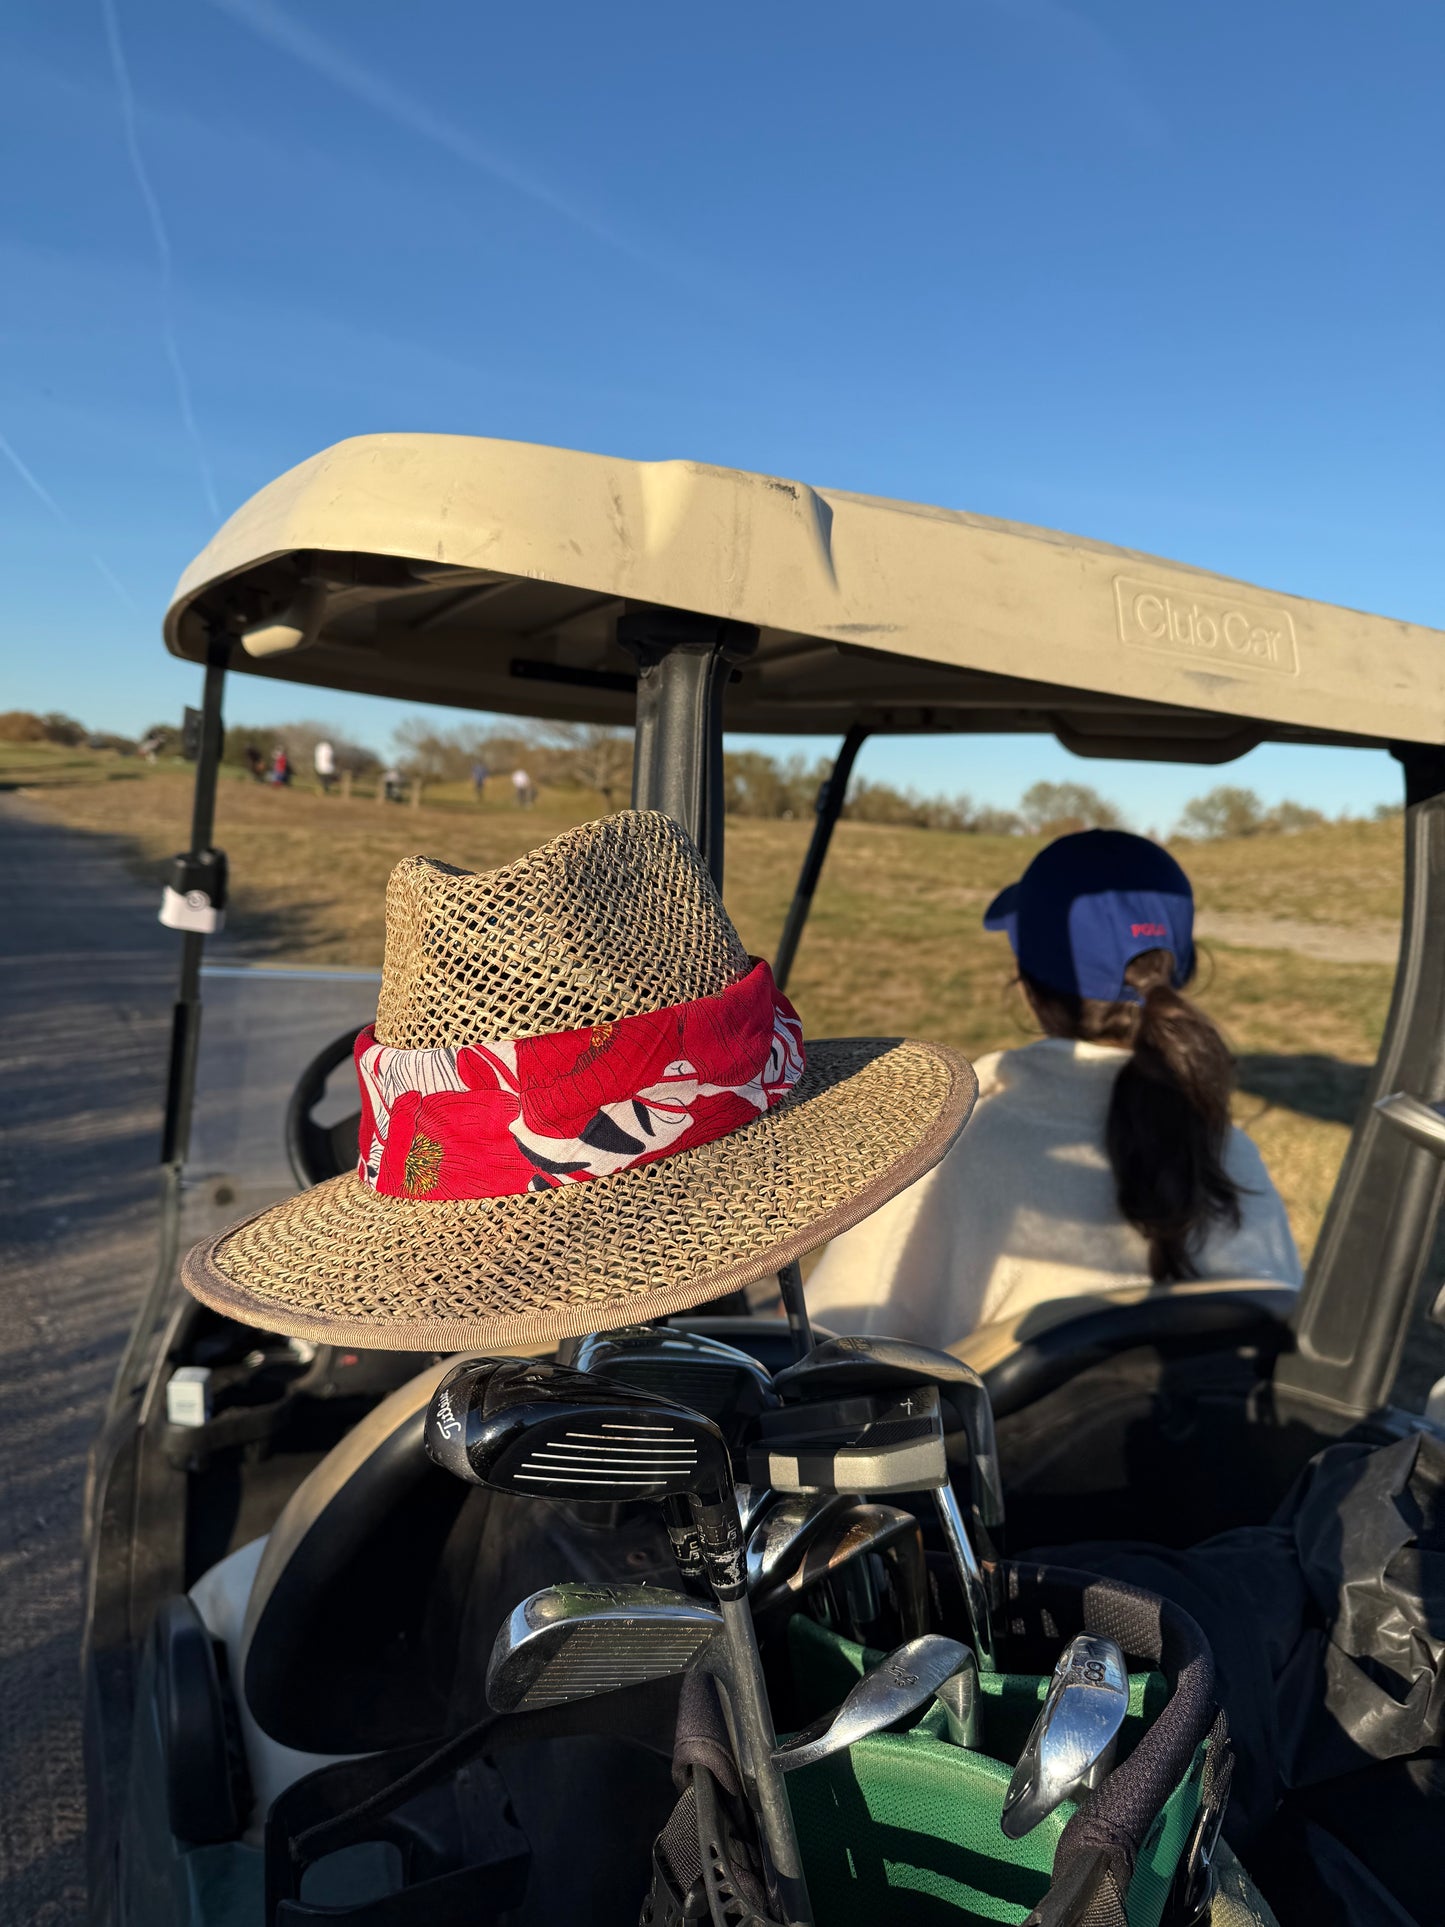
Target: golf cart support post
<point>508,577</point>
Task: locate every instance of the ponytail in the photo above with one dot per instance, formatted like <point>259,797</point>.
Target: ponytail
<point>1168,1121</point>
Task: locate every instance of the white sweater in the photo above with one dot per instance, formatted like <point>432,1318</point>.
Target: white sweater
<point>1022,1211</point>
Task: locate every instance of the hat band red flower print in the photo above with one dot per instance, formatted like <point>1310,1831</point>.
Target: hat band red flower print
<point>494,1119</point>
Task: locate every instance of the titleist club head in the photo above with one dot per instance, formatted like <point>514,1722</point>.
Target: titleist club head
<point>874,1443</point>
<point>895,1689</point>
<point>868,1364</point>
<point>532,1426</point>
<point>961,1700</point>
<point>1075,1736</point>
<point>723,1382</point>
<point>571,1642</point>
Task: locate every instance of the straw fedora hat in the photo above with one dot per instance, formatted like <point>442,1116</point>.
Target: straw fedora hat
<point>583,1105</point>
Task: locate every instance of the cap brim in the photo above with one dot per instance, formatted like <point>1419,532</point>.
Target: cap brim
<point>342,1265</point>
<point>1002,913</point>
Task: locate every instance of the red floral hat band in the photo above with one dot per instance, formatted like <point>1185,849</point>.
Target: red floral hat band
<point>493,1119</point>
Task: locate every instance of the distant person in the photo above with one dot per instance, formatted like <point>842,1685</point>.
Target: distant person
<point>324,757</point>
<point>255,763</point>
<point>480,773</point>
<point>150,745</point>
<point>280,767</point>
<point>1100,1158</point>
<point>522,789</point>
<point>391,784</point>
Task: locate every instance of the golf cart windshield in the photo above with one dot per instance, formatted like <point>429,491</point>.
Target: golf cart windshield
<point>262,1027</point>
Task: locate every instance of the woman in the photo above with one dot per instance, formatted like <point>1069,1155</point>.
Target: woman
<point>1100,1158</point>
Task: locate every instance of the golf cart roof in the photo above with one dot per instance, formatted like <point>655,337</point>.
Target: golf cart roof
<point>489,575</point>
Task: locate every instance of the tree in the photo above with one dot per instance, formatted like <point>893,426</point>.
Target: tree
<point>1055,809</point>
<point>591,756</point>
<point>1286,818</point>
<point>992,822</point>
<point>1225,811</point>
<point>756,784</point>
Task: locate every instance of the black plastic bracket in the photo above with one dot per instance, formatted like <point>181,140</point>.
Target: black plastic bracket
<point>683,664</point>
<point>828,808</point>
<point>1355,1310</point>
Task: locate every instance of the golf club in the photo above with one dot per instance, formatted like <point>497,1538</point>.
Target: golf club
<point>960,1699</point>
<point>867,1364</point>
<point>895,1688</point>
<point>829,1542</point>
<point>795,1306</point>
<point>724,1383</point>
<point>1075,1736</point>
<point>572,1641</point>
<point>528,1425</point>
<point>875,1443</point>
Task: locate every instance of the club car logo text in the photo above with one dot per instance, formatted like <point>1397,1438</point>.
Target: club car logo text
<point>1214,629</point>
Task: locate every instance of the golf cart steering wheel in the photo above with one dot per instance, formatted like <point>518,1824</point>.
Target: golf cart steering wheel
<point>315,1151</point>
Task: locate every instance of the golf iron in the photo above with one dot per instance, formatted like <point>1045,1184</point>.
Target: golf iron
<point>1075,1737</point>
<point>873,1443</point>
<point>893,1690</point>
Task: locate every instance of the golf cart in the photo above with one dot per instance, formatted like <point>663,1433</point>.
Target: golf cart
<point>277,1578</point>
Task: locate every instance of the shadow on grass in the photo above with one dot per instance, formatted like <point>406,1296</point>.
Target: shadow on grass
<point>1327,1088</point>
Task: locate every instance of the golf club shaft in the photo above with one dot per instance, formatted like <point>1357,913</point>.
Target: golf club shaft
<point>756,1743</point>
<point>970,1576</point>
<point>790,1286</point>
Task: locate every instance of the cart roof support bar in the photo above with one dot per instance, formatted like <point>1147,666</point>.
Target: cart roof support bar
<point>832,792</point>
<point>683,665</point>
<point>1355,1309</point>
<point>186,1017</point>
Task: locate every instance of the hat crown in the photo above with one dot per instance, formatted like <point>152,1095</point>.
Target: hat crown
<point>608,920</point>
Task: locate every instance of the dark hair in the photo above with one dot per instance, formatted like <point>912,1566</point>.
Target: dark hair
<point>1169,1114</point>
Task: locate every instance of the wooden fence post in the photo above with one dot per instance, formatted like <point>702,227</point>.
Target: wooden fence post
<point>416,792</point>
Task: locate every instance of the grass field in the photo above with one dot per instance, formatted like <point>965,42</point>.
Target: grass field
<point>895,943</point>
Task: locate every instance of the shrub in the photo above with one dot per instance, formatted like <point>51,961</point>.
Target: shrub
<point>21,726</point>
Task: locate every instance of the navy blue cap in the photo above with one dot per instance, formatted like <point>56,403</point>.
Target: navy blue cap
<point>1090,903</point>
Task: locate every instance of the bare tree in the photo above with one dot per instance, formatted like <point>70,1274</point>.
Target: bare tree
<point>590,755</point>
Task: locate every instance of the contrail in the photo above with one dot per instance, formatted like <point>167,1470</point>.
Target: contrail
<point>42,495</point>
<point>163,251</point>
<point>271,23</point>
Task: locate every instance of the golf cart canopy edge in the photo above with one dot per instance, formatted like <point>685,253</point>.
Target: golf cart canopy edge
<point>489,575</point>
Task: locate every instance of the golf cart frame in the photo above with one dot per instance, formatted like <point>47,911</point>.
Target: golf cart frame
<point>680,598</point>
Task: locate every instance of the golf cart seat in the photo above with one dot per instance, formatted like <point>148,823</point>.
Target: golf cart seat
<point>384,1579</point>
<point>342,1650</point>
<point>1022,1359</point>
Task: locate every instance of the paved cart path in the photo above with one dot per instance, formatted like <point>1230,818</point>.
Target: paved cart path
<point>86,976</point>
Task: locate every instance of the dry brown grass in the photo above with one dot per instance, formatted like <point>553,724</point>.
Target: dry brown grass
<point>895,943</point>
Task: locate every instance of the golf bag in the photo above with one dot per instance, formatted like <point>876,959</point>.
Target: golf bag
<point>911,1814</point>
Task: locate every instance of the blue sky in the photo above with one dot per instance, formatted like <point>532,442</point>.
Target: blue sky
<point>1170,277</point>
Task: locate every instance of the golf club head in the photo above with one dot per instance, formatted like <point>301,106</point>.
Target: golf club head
<point>896,1688</point>
<point>780,1538</point>
<point>826,1551</point>
<point>868,1364</point>
<point>529,1425</point>
<point>1075,1736</point>
<point>571,1642</point>
<point>864,1443</point>
<point>724,1383</point>
<point>961,1700</point>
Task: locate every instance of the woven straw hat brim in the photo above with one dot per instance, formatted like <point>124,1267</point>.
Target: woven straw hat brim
<point>345,1266</point>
